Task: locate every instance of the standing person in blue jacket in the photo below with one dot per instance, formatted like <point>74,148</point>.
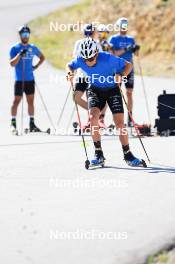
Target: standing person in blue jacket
<point>125,46</point>
<point>21,58</point>
<point>101,69</point>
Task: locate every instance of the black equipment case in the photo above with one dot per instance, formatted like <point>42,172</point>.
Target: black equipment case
<point>166,105</point>
<point>166,111</point>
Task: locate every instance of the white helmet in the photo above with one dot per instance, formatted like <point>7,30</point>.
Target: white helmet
<point>122,24</point>
<point>88,48</point>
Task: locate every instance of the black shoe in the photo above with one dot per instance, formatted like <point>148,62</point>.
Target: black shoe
<point>13,123</point>
<point>128,156</point>
<point>33,127</point>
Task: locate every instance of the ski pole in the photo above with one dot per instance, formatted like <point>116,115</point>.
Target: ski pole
<point>63,108</point>
<point>134,124</point>
<point>87,162</point>
<point>144,89</point>
<point>45,107</point>
<point>22,103</point>
<point>71,117</point>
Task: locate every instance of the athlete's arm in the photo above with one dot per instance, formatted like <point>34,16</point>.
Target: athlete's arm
<point>41,60</point>
<point>128,68</point>
<point>70,73</point>
<point>119,52</point>
<point>136,50</point>
<point>14,61</point>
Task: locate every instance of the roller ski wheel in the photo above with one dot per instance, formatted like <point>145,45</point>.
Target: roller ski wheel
<point>111,127</point>
<point>87,164</point>
<point>14,131</point>
<point>136,163</point>
<point>86,128</point>
<point>75,127</point>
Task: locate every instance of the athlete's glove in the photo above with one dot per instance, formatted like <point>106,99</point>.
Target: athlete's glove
<point>129,48</point>
<point>105,45</point>
<point>70,76</point>
<point>34,67</point>
<point>23,52</point>
<point>135,48</point>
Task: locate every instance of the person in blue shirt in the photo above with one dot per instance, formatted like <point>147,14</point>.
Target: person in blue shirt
<point>21,58</point>
<point>125,46</point>
<point>80,84</point>
<point>101,69</point>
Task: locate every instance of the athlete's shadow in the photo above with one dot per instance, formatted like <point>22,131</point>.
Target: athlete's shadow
<point>149,169</point>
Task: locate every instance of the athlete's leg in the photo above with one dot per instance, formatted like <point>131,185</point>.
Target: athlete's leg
<point>119,123</point>
<point>79,100</point>
<point>80,88</point>
<point>30,96</point>
<point>129,94</point>
<point>102,117</point>
<point>96,103</point>
<point>94,114</point>
<point>30,102</point>
<point>15,104</point>
<point>103,111</point>
<point>17,98</point>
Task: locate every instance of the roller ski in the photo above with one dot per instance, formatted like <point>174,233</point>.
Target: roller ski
<point>13,128</point>
<point>28,131</point>
<point>34,129</point>
<point>136,163</point>
<point>96,162</point>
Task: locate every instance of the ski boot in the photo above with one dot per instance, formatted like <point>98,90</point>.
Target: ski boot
<point>99,159</point>
<point>33,127</point>
<point>132,161</point>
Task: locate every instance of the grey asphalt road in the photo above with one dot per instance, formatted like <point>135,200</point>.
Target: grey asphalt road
<point>54,211</point>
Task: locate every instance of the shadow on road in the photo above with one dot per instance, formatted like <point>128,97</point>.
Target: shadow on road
<point>148,169</point>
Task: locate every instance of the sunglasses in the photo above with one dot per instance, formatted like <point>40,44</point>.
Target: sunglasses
<point>91,59</point>
<point>25,35</point>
